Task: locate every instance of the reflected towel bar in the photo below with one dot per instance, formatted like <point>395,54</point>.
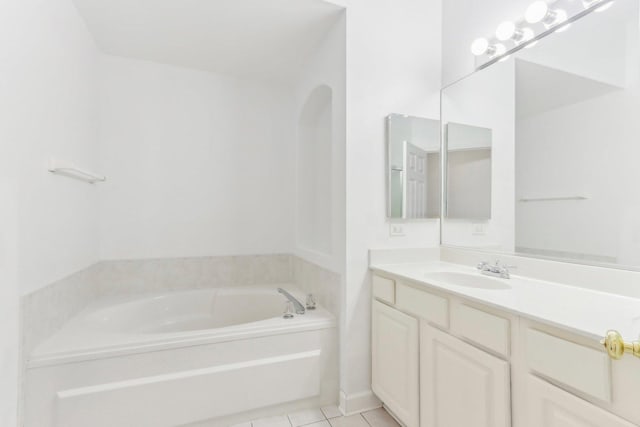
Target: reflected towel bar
<point>551,199</point>
<point>74,172</point>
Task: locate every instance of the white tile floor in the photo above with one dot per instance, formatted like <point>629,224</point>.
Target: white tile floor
<point>328,416</point>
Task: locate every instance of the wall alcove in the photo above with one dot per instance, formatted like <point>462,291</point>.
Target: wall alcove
<point>314,172</point>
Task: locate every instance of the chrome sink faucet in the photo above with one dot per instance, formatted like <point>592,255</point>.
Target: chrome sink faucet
<point>299,307</point>
<point>496,270</point>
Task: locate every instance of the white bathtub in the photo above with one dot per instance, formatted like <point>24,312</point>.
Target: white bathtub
<point>215,354</point>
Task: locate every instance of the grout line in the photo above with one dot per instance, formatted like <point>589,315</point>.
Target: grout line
<point>365,420</point>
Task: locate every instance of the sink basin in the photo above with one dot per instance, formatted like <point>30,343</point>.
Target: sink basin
<point>467,280</point>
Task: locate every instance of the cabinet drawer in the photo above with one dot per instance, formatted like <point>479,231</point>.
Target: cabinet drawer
<point>582,368</point>
<point>430,307</point>
<point>384,289</point>
<point>487,330</point>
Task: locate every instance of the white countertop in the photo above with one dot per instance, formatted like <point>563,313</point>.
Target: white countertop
<point>583,311</point>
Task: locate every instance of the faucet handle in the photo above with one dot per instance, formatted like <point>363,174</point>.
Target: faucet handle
<point>504,271</point>
<point>311,302</point>
<point>288,310</point>
<point>482,265</point>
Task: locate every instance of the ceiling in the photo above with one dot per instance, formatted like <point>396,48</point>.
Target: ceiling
<point>248,38</point>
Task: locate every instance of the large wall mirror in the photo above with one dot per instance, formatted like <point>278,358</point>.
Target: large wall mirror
<point>563,120</point>
<point>413,167</point>
<point>468,183</point>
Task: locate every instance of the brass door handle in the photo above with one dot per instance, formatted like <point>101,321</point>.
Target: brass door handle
<point>617,347</point>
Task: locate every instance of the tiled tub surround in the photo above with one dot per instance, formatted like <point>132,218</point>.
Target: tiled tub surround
<point>322,283</point>
<point>46,310</point>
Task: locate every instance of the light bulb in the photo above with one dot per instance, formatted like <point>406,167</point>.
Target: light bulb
<point>479,46</point>
<point>536,12</point>
<point>505,31</point>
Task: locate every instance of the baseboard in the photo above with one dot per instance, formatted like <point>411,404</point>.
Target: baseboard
<point>358,402</point>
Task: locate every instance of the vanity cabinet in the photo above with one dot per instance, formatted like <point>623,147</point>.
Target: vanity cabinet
<point>395,362</point>
<point>442,360</point>
<point>461,385</point>
<point>551,406</point>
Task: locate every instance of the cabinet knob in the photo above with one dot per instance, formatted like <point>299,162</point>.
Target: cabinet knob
<point>617,347</point>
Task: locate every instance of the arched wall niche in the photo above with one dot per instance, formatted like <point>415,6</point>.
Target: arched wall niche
<point>314,172</point>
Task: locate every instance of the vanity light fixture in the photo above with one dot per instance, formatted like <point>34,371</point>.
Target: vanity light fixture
<point>541,18</point>
<point>509,31</point>
<point>481,46</point>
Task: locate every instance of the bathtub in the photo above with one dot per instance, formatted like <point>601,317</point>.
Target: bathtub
<point>197,357</point>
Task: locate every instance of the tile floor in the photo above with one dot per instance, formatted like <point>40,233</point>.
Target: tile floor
<point>328,416</point>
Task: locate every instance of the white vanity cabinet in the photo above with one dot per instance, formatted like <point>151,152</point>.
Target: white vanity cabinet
<point>461,385</point>
<point>442,360</point>
<point>424,375</point>
<point>395,362</point>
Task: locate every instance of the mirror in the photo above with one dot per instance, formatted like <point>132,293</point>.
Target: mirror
<point>413,167</point>
<point>563,123</point>
<point>468,184</point>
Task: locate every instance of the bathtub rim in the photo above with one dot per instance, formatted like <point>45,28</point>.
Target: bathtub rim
<point>314,320</point>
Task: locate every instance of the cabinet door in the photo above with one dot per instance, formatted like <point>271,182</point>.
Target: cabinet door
<point>395,362</point>
<point>460,384</point>
<point>550,406</point>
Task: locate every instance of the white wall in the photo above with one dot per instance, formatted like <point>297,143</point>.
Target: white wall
<point>9,298</point>
<point>393,66</point>
<point>313,163</point>
<point>9,157</point>
<point>48,107</point>
<point>326,68</point>
<point>198,164</point>
<point>52,91</point>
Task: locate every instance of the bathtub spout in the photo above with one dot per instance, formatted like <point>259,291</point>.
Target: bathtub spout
<point>299,307</point>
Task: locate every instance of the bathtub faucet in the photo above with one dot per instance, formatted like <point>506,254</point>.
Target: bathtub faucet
<point>299,307</point>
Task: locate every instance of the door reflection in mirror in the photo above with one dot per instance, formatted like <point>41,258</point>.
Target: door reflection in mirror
<point>413,167</point>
